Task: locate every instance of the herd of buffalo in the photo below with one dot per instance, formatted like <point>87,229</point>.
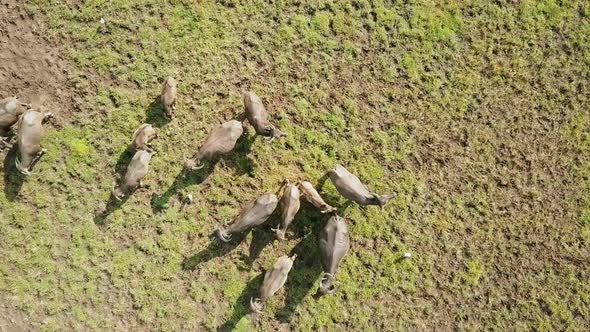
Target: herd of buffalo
<point>334,239</point>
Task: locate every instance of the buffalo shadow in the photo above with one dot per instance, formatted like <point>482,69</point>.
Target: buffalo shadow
<point>322,181</point>
<point>182,180</point>
<point>13,178</point>
<point>307,267</point>
<point>156,114</point>
<point>113,203</point>
<point>237,159</point>
<point>261,237</point>
<point>241,307</point>
<point>216,248</point>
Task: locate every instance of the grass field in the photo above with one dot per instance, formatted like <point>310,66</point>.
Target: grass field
<point>474,112</point>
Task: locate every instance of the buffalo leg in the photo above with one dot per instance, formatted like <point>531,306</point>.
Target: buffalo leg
<point>36,159</point>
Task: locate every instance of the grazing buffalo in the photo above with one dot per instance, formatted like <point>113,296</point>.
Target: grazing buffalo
<point>258,117</point>
<point>29,135</point>
<point>312,196</point>
<point>253,214</point>
<point>274,279</point>
<point>349,186</point>
<point>142,136</point>
<point>168,96</point>
<point>220,141</point>
<point>334,244</point>
<point>290,204</point>
<point>136,171</point>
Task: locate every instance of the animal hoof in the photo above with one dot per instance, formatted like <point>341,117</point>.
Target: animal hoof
<point>223,235</point>
<point>256,305</point>
<point>279,233</point>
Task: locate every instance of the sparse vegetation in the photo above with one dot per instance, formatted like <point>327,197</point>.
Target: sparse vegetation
<point>474,112</point>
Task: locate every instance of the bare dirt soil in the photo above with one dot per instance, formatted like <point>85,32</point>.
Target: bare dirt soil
<point>30,66</point>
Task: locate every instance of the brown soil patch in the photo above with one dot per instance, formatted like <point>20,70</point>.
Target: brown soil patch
<point>30,66</point>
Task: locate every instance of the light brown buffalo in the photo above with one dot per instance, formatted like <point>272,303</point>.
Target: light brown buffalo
<point>258,117</point>
<point>274,279</point>
<point>312,196</point>
<point>142,136</point>
<point>30,132</point>
<point>168,96</point>
<point>10,110</point>
<point>220,141</point>
<point>349,186</point>
<point>136,171</point>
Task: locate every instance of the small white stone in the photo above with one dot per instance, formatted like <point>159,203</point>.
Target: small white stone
<point>407,255</point>
<point>189,198</point>
<point>102,21</point>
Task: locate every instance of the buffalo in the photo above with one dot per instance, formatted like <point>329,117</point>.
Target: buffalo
<point>334,244</point>
<point>290,205</point>
<point>258,117</point>
<point>220,141</point>
<point>313,197</point>
<point>274,279</point>
<point>29,135</point>
<point>142,136</point>
<point>168,96</point>
<point>349,186</point>
<point>255,213</point>
<point>136,171</point>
